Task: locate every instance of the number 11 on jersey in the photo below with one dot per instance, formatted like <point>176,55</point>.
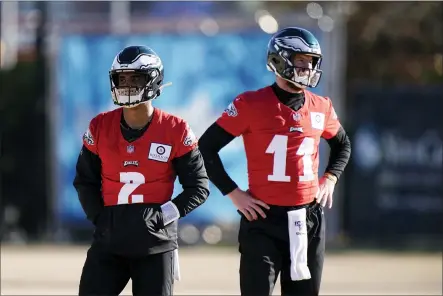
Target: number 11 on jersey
<point>279,147</point>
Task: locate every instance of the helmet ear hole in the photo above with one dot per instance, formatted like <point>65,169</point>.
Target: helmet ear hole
<point>276,61</point>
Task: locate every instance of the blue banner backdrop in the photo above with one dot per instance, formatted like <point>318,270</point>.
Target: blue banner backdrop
<point>206,72</point>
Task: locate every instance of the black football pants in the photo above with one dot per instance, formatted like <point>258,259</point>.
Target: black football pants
<point>264,249</point>
<point>108,274</point>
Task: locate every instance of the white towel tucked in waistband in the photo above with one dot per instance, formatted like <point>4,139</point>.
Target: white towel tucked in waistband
<point>176,265</point>
<point>298,241</point>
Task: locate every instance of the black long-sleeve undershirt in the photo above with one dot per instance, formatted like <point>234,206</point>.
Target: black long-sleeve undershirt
<point>190,170</point>
<point>210,143</point>
<point>215,138</point>
<point>340,153</point>
<point>88,183</point>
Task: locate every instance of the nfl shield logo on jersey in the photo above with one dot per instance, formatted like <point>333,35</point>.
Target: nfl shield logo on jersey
<point>296,116</point>
<point>130,149</point>
<point>190,138</point>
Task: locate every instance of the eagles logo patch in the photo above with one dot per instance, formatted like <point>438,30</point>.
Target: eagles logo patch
<point>231,110</point>
<point>190,138</point>
<point>87,137</point>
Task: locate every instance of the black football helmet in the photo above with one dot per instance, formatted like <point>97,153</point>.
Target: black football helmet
<point>283,47</point>
<point>143,62</point>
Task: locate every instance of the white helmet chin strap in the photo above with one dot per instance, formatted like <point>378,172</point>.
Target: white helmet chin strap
<point>290,81</point>
<point>130,96</point>
<point>302,86</point>
<point>140,95</point>
<point>132,106</point>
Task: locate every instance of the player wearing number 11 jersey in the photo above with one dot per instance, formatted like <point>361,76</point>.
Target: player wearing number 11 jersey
<point>282,229</point>
<point>125,177</point>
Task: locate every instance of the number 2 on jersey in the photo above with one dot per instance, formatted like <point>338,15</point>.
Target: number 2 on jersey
<point>132,180</point>
<point>279,147</point>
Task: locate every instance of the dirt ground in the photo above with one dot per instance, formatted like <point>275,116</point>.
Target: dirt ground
<point>55,270</point>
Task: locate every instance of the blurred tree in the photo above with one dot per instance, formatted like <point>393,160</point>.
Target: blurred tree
<point>24,160</point>
<point>284,6</point>
<point>20,150</point>
<point>395,42</point>
<point>388,42</point>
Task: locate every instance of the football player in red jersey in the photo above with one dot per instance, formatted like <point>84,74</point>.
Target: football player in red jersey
<point>282,228</point>
<point>125,177</point>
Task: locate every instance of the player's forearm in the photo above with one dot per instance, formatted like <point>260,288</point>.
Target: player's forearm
<point>210,143</point>
<point>192,175</point>
<point>92,206</point>
<point>218,175</point>
<point>87,182</point>
<point>340,153</point>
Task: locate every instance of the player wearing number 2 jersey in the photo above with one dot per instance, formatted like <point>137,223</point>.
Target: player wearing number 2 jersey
<point>282,228</point>
<point>125,176</point>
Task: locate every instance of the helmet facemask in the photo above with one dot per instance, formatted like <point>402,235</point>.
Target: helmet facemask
<point>302,77</point>
<point>130,88</point>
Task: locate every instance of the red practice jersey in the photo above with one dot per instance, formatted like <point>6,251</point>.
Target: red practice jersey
<point>281,144</point>
<point>140,171</point>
